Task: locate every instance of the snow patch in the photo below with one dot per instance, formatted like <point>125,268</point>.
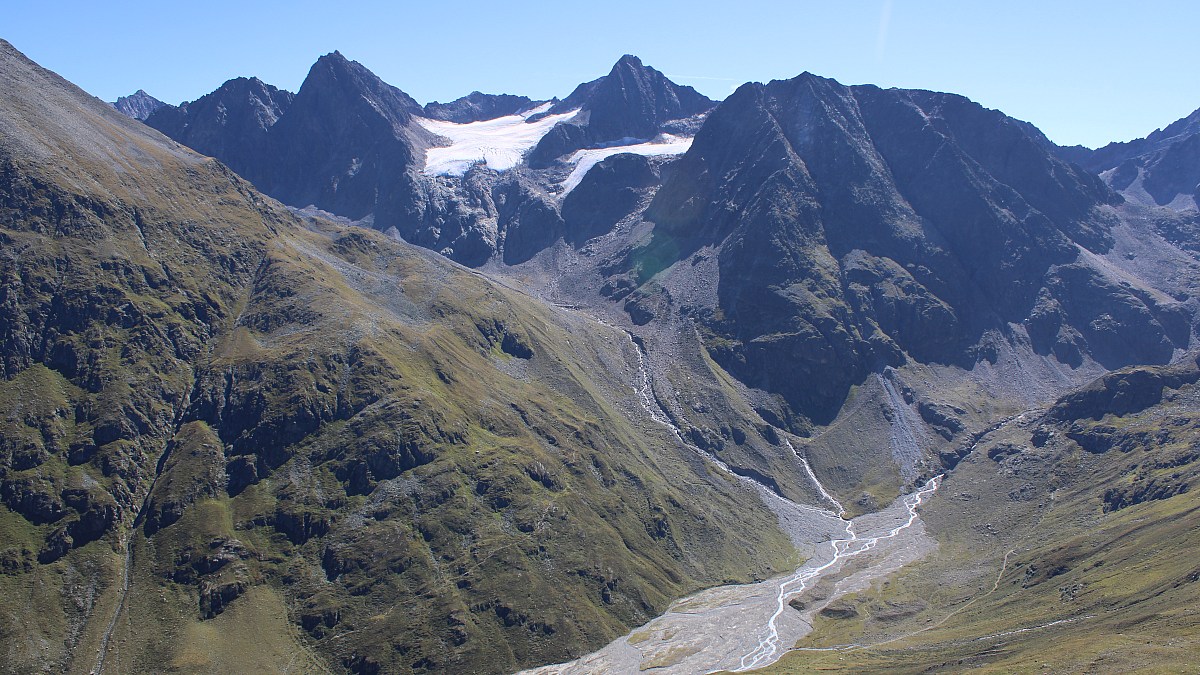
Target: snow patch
<point>500,142</point>
<point>584,160</point>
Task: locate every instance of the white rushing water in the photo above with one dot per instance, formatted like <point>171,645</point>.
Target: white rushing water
<point>767,650</point>
<point>746,626</point>
<point>841,511</point>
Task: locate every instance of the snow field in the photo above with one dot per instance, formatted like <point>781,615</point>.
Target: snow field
<point>584,160</point>
<point>500,142</point>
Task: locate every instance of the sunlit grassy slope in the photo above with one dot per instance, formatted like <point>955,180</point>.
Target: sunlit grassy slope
<point>1067,544</point>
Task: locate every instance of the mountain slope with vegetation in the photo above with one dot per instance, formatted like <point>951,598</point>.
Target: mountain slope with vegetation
<point>237,435</point>
<point>224,420</point>
<point>1066,542</point>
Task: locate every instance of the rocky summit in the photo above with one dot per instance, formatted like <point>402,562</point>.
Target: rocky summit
<point>230,123</point>
<point>819,376</point>
<point>138,105</point>
<point>633,101</point>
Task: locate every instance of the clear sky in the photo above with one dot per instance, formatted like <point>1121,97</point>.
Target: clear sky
<point>1084,72</point>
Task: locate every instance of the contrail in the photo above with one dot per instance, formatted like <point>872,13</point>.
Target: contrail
<point>885,22</point>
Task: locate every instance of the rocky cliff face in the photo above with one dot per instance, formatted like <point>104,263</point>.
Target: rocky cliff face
<point>612,190</point>
<point>346,144</point>
<point>231,123</point>
<point>1162,169</point>
<point>852,228</point>
<point>856,227</point>
<point>476,107</point>
<point>633,101</point>
<point>138,105</point>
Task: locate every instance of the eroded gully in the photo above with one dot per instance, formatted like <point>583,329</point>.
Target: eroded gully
<point>747,626</point>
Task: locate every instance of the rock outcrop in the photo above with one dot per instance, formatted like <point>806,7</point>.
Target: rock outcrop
<point>477,106</point>
<point>1161,169</point>
<point>858,227</point>
<point>230,124</point>
<point>633,101</point>
<point>138,105</point>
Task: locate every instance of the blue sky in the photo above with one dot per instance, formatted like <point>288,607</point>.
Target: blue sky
<point>1084,72</point>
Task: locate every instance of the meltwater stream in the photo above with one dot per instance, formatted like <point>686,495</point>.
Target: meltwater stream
<point>746,626</point>
<point>767,650</point>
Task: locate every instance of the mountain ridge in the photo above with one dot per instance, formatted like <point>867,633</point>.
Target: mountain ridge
<point>231,417</point>
<point>139,105</point>
<point>223,418</point>
<point>230,123</point>
<point>1157,170</point>
<point>633,101</point>
<point>478,107</point>
<point>790,214</point>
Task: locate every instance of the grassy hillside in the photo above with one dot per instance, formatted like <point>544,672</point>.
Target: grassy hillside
<point>230,435</point>
<point>1067,543</point>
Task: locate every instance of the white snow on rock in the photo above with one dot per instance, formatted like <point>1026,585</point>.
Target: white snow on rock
<point>584,160</point>
<point>500,142</point>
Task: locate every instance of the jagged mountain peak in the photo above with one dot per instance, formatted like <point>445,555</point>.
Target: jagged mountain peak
<point>230,123</point>
<point>251,81</point>
<point>138,105</point>
<point>634,83</point>
<point>252,87</point>
<point>1184,126</point>
<point>810,184</point>
<point>347,144</point>
<point>633,101</point>
<point>630,65</point>
<point>335,59</point>
<point>335,75</point>
<point>235,92</point>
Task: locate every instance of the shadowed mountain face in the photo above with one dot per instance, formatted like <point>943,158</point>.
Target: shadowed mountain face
<point>138,105</point>
<point>334,145</point>
<point>232,438</point>
<point>231,123</point>
<point>633,101</point>
<point>346,145</point>
<point>476,107</point>
<point>1161,169</point>
<point>857,227</point>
